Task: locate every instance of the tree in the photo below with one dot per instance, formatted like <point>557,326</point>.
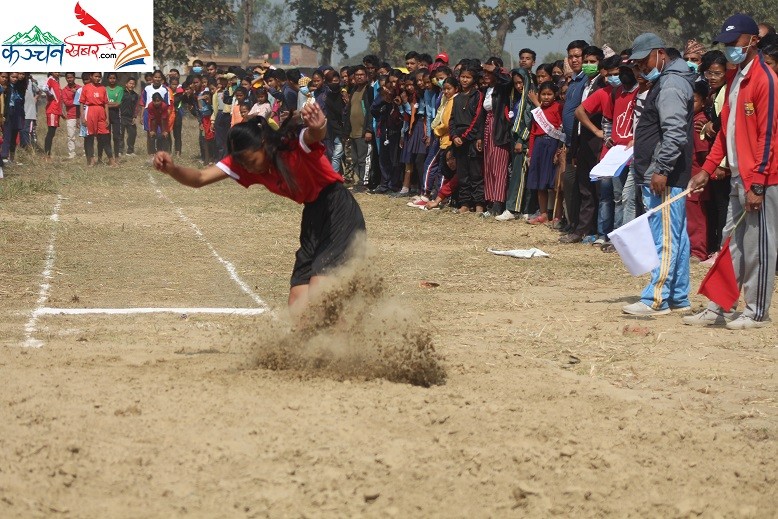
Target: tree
<point>179,27</point>
<point>464,43</point>
<point>389,22</point>
<point>676,21</point>
<point>551,57</point>
<point>496,21</point>
<point>267,25</point>
<point>325,23</point>
<point>248,16</point>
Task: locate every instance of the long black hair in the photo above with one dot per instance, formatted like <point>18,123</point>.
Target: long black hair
<point>256,133</point>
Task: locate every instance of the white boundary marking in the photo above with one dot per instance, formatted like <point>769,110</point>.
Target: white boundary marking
<point>43,292</point>
<point>227,265</point>
<point>135,311</point>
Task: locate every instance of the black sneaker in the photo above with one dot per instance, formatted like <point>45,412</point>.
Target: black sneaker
<point>400,194</point>
<point>380,190</point>
<point>359,189</point>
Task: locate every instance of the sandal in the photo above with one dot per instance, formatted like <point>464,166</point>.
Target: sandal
<point>608,247</point>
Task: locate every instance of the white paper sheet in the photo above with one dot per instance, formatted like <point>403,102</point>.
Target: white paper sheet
<point>520,253</point>
<point>612,163</point>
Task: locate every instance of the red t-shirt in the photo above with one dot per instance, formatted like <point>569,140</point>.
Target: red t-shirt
<point>618,107</point>
<point>93,95</point>
<point>553,115</point>
<point>309,167</point>
<point>53,97</point>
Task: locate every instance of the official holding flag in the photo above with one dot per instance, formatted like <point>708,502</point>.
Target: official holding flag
<point>663,161</point>
<point>748,140</point>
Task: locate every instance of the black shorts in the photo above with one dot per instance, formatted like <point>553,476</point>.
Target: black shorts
<point>329,228</point>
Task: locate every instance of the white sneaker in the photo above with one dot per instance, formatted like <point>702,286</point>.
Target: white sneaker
<point>1,173</point>
<point>642,309</point>
<point>505,216</point>
<point>708,318</point>
<point>746,323</point>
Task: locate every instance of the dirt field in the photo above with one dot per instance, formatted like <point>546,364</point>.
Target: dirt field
<point>553,403</point>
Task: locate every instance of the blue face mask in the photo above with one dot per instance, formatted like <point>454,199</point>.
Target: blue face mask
<point>197,70</point>
<point>693,66</point>
<point>736,55</point>
<point>652,76</point>
<point>614,81</point>
<point>305,90</point>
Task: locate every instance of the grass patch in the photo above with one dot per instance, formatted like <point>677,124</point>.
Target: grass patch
<point>15,187</point>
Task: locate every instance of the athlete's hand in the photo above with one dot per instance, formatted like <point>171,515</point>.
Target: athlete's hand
<point>163,162</point>
<point>313,116</point>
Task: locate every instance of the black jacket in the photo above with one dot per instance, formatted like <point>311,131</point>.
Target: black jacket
<point>367,101</point>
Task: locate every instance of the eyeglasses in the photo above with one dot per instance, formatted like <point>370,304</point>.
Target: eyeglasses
<point>713,75</point>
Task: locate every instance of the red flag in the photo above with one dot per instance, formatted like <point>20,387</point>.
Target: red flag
<point>720,284</point>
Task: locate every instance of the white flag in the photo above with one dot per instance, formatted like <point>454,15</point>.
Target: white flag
<point>635,244</point>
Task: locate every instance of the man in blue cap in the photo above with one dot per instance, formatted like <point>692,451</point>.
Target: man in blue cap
<point>663,161</point>
<point>749,129</point>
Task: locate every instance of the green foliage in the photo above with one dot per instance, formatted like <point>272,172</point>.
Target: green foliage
<point>179,26</point>
<point>269,24</point>
<point>389,22</point>
<point>325,23</point>
<point>675,21</point>
<point>554,56</point>
<point>497,20</point>
<point>464,43</point>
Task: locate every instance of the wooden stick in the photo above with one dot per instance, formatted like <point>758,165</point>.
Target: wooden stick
<point>668,202</point>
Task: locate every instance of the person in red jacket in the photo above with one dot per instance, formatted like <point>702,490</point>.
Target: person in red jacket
<point>53,110</point>
<point>748,140</point>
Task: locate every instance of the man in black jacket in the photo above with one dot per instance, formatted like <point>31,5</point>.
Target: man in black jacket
<point>359,126</point>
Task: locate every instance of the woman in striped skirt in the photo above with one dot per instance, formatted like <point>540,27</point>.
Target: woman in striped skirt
<point>520,108</point>
<point>496,138</point>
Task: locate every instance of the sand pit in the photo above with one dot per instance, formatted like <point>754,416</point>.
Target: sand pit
<point>554,404</point>
<point>353,329</point>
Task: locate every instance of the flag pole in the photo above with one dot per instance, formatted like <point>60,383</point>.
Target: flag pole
<point>739,221</point>
<point>668,202</point>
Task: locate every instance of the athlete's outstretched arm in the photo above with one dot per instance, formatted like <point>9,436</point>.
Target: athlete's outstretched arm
<point>188,176</point>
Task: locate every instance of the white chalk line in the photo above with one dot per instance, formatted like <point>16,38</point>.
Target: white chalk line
<point>231,270</point>
<point>135,311</point>
<point>43,292</point>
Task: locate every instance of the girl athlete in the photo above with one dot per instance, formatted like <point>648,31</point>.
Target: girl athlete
<point>289,162</point>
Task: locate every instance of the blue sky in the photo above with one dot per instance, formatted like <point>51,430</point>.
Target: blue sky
<point>556,42</point>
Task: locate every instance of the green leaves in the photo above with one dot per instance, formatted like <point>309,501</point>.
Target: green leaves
<point>178,32</point>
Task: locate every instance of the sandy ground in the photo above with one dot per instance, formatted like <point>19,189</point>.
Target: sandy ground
<point>554,403</point>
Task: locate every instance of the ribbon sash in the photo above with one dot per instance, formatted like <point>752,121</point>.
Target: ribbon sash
<point>547,127</point>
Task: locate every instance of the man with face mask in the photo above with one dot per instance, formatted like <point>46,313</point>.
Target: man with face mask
<point>663,160</point>
<point>616,104</point>
<point>586,147</point>
<point>748,140</point>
